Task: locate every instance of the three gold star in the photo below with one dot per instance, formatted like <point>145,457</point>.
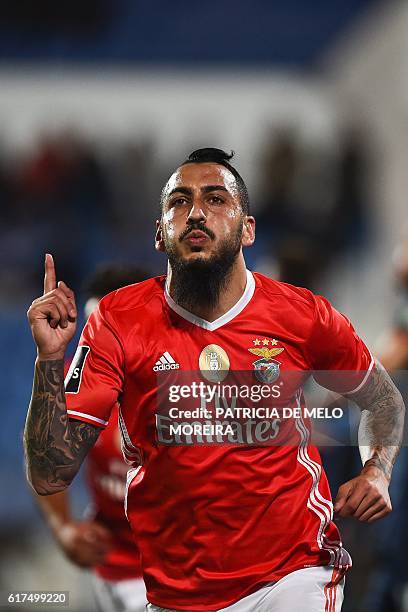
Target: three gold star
<point>265,342</point>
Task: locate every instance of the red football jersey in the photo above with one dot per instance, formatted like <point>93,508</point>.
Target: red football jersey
<point>215,522</point>
<point>106,477</point>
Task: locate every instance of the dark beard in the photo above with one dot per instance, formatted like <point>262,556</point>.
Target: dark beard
<point>199,283</point>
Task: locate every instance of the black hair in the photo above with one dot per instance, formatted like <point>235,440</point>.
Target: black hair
<point>112,276</point>
<point>218,156</point>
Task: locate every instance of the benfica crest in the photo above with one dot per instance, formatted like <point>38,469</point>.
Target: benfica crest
<point>267,369</point>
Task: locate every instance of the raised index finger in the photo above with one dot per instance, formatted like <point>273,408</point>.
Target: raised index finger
<point>50,279</point>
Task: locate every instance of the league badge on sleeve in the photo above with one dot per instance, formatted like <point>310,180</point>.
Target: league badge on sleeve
<point>74,375</point>
<point>267,370</point>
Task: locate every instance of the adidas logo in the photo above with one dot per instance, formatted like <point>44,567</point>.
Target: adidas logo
<point>166,362</point>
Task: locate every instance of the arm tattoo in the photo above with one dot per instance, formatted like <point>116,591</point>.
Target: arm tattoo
<point>54,446</point>
<point>382,420</point>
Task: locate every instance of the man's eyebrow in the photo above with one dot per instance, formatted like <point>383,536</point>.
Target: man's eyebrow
<point>209,188</point>
<point>189,192</point>
<point>186,190</point>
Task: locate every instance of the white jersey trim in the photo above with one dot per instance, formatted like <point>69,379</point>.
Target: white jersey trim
<point>86,416</point>
<point>317,503</point>
<point>223,319</point>
<point>131,475</point>
<point>363,382</point>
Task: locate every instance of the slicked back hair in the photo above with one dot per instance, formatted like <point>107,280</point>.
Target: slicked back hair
<point>218,156</point>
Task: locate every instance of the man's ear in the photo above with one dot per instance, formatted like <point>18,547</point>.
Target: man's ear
<point>248,231</point>
<point>158,241</point>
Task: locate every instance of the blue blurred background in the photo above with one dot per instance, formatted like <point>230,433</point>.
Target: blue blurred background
<point>100,100</point>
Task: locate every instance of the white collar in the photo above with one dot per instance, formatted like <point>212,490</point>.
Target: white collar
<point>223,319</point>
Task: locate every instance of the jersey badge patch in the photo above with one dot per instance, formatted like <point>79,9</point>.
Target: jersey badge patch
<point>74,374</point>
<point>267,370</point>
<point>214,363</point>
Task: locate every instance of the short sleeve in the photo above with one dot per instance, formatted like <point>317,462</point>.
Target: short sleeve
<point>340,359</point>
<point>95,378</point>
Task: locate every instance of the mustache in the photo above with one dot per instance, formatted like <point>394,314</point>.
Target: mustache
<point>196,227</point>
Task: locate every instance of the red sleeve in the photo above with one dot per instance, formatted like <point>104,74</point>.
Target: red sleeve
<point>95,377</point>
<point>340,359</point>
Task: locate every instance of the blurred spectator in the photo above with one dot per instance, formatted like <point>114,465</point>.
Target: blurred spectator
<point>132,174</point>
<point>311,205</point>
<point>350,218</point>
<point>388,585</point>
<point>77,200</point>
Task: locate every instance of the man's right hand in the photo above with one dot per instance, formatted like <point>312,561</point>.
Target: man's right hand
<point>52,316</point>
<point>84,543</point>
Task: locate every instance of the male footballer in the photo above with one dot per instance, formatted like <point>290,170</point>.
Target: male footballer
<point>235,524</point>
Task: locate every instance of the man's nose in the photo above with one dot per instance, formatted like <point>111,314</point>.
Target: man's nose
<point>197,213</point>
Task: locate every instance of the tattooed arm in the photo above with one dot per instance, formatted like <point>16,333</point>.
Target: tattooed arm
<point>380,437</point>
<point>382,421</point>
<point>55,446</point>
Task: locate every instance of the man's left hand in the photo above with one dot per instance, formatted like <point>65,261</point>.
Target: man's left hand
<point>365,497</point>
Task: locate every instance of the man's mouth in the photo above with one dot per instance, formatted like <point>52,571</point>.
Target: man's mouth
<point>196,237</point>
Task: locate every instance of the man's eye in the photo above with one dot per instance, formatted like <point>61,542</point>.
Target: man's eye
<point>179,201</point>
<point>216,200</point>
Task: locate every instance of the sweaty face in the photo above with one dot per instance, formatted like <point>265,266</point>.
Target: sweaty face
<point>202,217</point>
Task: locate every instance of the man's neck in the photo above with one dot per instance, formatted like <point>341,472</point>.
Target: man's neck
<point>229,296</point>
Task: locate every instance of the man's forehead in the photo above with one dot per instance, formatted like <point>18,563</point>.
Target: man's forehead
<point>200,175</point>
